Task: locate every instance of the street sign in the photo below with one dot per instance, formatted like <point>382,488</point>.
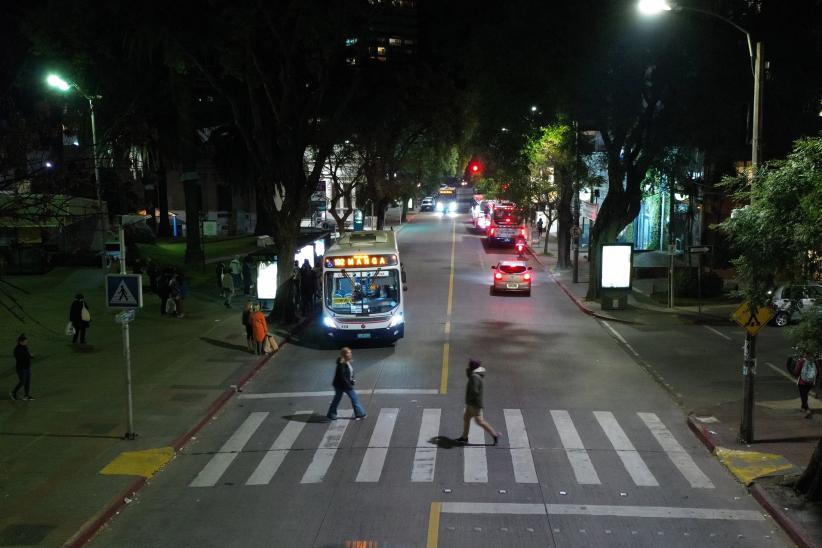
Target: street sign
<point>125,316</point>
<point>124,291</point>
<point>699,249</point>
<point>752,323</point>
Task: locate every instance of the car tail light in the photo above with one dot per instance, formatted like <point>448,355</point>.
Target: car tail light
<point>497,275</point>
<point>493,230</point>
<point>508,219</point>
<point>522,231</point>
<point>526,277</point>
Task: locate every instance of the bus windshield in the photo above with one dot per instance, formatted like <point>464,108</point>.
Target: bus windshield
<point>362,292</point>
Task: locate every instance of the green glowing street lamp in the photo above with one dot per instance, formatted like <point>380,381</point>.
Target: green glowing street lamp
<point>55,81</point>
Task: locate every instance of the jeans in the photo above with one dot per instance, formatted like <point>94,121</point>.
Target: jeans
<point>803,395</point>
<point>355,403</point>
<point>24,376</point>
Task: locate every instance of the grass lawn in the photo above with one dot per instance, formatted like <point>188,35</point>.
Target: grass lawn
<point>172,254</point>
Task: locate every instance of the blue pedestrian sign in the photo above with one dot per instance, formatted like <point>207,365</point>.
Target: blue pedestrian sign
<point>124,291</point>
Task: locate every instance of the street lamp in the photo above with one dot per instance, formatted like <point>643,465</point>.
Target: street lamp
<point>653,7</point>
<point>57,82</point>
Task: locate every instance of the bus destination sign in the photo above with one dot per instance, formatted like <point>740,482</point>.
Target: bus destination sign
<point>360,261</point>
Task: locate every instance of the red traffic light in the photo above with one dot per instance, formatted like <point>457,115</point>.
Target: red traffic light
<point>474,168</point>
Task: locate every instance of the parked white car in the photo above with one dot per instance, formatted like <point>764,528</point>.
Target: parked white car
<point>790,302</point>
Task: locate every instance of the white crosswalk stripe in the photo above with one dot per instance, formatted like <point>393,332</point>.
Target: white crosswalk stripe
<point>279,449</point>
<point>629,456</point>
<point>374,459</point>
<point>577,455</point>
<point>219,463</point>
<point>474,455</point>
<point>475,463</point>
<point>425,457</point>
<point>676,452</point>
<point>328,449</point>
<point>521,456</point>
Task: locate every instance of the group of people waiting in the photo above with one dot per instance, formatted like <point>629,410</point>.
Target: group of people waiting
<point>238,274</point>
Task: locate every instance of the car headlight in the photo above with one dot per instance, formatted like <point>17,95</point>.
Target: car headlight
<point>439,206</point>
<point>328,321</point>
<point>396,320</point>
<point>452,206</point>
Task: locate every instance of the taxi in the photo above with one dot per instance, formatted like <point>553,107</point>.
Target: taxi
<point>513,276</point>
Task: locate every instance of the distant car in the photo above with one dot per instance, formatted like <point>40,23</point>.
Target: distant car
<point>791,302</point>
<point>427,204</point>
<point>512,276</point>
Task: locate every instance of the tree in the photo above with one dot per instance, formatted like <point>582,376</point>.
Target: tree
<point>778,237</point>
<point>345,170</point>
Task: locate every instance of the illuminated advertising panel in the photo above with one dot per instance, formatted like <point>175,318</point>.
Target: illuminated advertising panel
<point>267,280</point>
<point>616,266</point>
<point>361,261</point>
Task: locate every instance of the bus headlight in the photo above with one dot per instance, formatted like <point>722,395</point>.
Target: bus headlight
<point>396,320</point>
<point>452,207</point>
<point>439,207</point>
<point>328,321</point>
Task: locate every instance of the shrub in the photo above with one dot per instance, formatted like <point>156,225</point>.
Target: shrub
<point>687,284</point>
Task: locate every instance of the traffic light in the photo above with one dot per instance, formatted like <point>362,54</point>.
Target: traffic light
<point>474,168</point>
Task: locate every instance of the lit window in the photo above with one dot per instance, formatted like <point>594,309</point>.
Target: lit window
<point>380,50</point>
<point>351,41</point>
<point>394,42</point>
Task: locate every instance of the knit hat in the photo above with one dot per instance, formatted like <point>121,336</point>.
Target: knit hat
<point>473,364</point>
<point>22,337</point>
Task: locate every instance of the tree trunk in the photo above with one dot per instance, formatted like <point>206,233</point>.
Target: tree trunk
<point>404,214</point>
<point>381,205</point>
<point>193,199</point>
<point>163,227</point>
<point>810,482</point>
<point>549,221</point>
<point>284,309</point>
<point>565,218</point>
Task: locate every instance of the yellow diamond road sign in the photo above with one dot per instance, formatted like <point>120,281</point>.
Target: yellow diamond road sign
<point>752,323</point>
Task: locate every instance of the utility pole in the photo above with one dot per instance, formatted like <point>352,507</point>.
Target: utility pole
<point>746,428</point>
<point>576,230</point>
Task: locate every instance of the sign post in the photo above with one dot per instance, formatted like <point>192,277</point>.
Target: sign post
<point>752,319</point>
<point>125,292</point>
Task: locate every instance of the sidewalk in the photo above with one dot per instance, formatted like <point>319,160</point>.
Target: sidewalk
<point>63,462</point>
<point>784,442</point>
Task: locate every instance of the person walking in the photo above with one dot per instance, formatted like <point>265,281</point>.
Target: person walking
<point>228,289</point>
<point>22,359</point>
<point>344,384</point>
<point>220,271</point>
<point>540,226</point>
<point>259,328</point>
<point>248,308</point>
<point>473,402</point>
<point>307,289</point>
<point>80,318</point>
<point>236,269</point>
<point>175,293</point>
<point>806,371</point>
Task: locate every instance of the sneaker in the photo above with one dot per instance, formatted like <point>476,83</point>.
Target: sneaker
<point>808,414</point>
<point>331,418</point>
<point>29,398</point>
<point>461,439</point>
<point>361,417</point>
<point>12,396</point>
<point>496,438</point>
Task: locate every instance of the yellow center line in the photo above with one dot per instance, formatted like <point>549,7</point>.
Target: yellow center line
<point>446,345</point>
<point>433,525</point>
<point>444,376</point>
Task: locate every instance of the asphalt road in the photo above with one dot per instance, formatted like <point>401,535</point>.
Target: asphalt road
<point>595,452</point>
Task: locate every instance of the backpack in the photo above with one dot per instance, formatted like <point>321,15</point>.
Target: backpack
<point>808,372</point>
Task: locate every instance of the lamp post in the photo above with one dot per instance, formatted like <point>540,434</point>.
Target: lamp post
<point>757,55</point>
<point>57,82</point>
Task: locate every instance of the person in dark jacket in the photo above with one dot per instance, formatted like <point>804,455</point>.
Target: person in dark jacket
<point>80,318</point>
<point>246,276</point>
<point>22,358</point>
<point>344,384</point>
<point>163,290</point>
<point>473,402</point>
<point>807,381</point>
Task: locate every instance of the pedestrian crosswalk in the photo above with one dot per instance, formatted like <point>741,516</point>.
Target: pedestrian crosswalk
<point>606,437</point>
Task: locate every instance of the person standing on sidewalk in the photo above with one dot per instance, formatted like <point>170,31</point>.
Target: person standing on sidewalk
<point>162,290</point>
<point>259,329</point>
<point>806,373</point>
<point>344,384</point>
<point>22,358</point>
<point>473,402</point>
<point>236,269</point>
<point>220,272</point>
<point>228,289</point>
<point>540,226</point>
<point>80,318</point>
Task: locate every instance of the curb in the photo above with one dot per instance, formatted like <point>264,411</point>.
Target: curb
<point>709,440</point>
<point>115,505</point>
<point>791,528</point>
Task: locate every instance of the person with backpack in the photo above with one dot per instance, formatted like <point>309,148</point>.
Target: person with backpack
<point>80,318</point>
<point>473,402</point>
<point>805,372</point>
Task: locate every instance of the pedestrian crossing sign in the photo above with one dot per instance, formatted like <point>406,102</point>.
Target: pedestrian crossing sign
<point>752,321</point>
<point>124,291</point>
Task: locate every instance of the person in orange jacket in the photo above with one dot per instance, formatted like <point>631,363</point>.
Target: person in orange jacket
<point>259,328</point>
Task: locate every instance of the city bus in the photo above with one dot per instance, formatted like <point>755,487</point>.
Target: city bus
<point>362,285</point>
